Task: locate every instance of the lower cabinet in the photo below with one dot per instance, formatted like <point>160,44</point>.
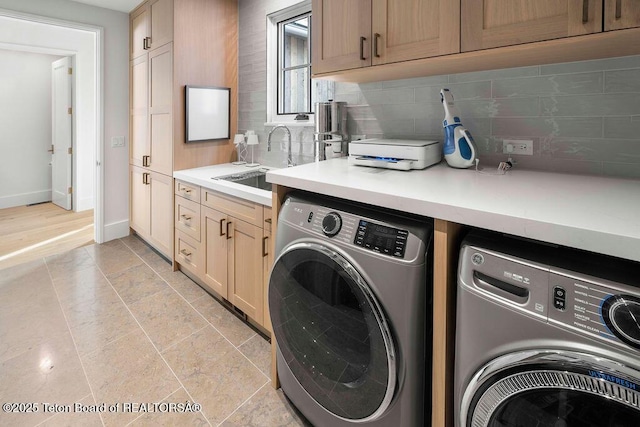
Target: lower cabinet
<point>149,189</point>
<point>228,254</point>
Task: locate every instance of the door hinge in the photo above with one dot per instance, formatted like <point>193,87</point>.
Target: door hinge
<point>70,110</point>
<point>70,150</point>
<point>70,70</point>
<point>70,190</point>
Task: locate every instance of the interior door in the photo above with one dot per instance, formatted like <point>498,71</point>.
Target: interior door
<point>61,158</point>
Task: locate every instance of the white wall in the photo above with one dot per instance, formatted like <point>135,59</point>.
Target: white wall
<point>115,98</point>
<point>25,121</point>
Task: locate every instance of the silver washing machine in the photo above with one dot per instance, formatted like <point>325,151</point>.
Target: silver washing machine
<point>349,297</point>
<point>545,336</point>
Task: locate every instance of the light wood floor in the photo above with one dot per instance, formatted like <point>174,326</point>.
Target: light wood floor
<point>31,232</point>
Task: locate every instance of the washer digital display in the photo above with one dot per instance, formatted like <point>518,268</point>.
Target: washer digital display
<point>382,239</point>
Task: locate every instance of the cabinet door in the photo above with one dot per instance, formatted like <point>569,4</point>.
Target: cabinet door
<point>161,208</point>
<point>267,262</point>
<point>493,23</point>
<point>620,14</point>
<point>160,109</point>
<point>413,29</point>
<point>340,35</point>
<point>139,207</point>
<point>139,22</point>
<point>139,137</point>
<point>214,231</point>
<point>161,22</point>
<point>245,269</point>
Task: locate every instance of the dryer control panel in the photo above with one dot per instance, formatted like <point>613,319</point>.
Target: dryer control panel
<point>606,310</point>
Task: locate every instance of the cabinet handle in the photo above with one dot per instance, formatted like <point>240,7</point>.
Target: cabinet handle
<point>268,220</point>
<point>145,161</point>
<point>221,225</point>
<point>187,190</point>
<point>144,43</point>
<point>185,217</point>
<point>264,246</point>
<point>375,45</point>
<point>362,40</point>
<point>618,9</point>
<point>145,178</point>
<point>585,11</point>
<point>185,253</point>
<point>147,43</point>
<point>228,234</point>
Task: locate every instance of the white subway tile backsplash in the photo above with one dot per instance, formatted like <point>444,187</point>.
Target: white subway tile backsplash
<point>591,105</point>
<point>622,81</point>
<point>494,74</point>
<point>590,127</point>
<point>594,65</point>
<point>565,84</point>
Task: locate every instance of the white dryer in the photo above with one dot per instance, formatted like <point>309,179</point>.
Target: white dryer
<point>545,336</point>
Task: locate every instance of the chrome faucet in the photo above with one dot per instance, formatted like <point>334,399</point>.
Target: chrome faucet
<point>289,160</point>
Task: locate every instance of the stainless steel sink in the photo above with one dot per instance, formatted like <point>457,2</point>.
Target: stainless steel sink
<point>255,179</point>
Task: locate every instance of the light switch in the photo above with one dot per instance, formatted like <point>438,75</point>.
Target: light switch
<point>117,141</point>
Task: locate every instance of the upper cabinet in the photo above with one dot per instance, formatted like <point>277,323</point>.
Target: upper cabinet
<point>374,40</point>
<point>620,14</point>
<point>350,34</point>
<point>496,23</point>
<point>151,26</point>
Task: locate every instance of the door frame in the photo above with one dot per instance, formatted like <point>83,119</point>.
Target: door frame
<point>97,53</point>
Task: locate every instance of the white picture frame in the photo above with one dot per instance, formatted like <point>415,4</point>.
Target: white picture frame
<point>207,113</point>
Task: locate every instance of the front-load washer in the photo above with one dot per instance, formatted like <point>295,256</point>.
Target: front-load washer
<point>349,299</point>
<point>545,336</point>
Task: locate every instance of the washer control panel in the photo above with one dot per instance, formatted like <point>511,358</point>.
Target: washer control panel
<point>351,229</point>
<point>609,312</point>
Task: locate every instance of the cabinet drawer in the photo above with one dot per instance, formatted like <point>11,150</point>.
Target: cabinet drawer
<point>188,217</point>
<point>188,253</point>
<point>188,191</point>
<point>242,209</point>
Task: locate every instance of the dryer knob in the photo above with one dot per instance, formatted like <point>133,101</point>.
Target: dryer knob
<point>331,224</point>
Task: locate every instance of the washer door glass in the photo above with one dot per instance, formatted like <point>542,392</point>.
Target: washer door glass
<point>561,389</point>
<point>331,332</point>
<point>564,408</point>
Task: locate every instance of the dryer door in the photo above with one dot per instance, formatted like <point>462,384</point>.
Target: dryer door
<point>332,332</point>
<point>551,388</point>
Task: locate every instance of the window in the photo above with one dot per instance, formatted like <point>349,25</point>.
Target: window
<point>290,88</point>
<point>294,65</point>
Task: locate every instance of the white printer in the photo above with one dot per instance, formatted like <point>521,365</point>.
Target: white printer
<point>397,154</point>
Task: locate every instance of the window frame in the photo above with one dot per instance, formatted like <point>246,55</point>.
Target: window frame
<point>273,63</point>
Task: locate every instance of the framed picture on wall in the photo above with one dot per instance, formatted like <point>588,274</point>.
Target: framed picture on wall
<point>208,113</point>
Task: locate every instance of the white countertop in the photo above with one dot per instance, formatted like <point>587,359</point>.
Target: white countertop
<point>203,177</point>
<point>598,214</point>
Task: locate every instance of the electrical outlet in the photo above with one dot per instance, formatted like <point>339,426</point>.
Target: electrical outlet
<point>117,141</point>
<point>518,146</point>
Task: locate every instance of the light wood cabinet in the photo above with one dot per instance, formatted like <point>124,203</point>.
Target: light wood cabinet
<point>621,14</point>
<point>205,53</point>
<point>229,250</point>
<point>267,263</point>
<point>496,23</point>
<point>215,232</point>
<point>151,26</point>
<point>160,110</point>
<point>351,34</point>
<point>149,190</point>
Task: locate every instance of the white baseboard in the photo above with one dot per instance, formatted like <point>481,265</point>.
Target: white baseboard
<point>116,230</point>
<point>25,199</point>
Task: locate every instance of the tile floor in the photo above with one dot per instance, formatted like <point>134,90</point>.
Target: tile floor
<point>113,324</point>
